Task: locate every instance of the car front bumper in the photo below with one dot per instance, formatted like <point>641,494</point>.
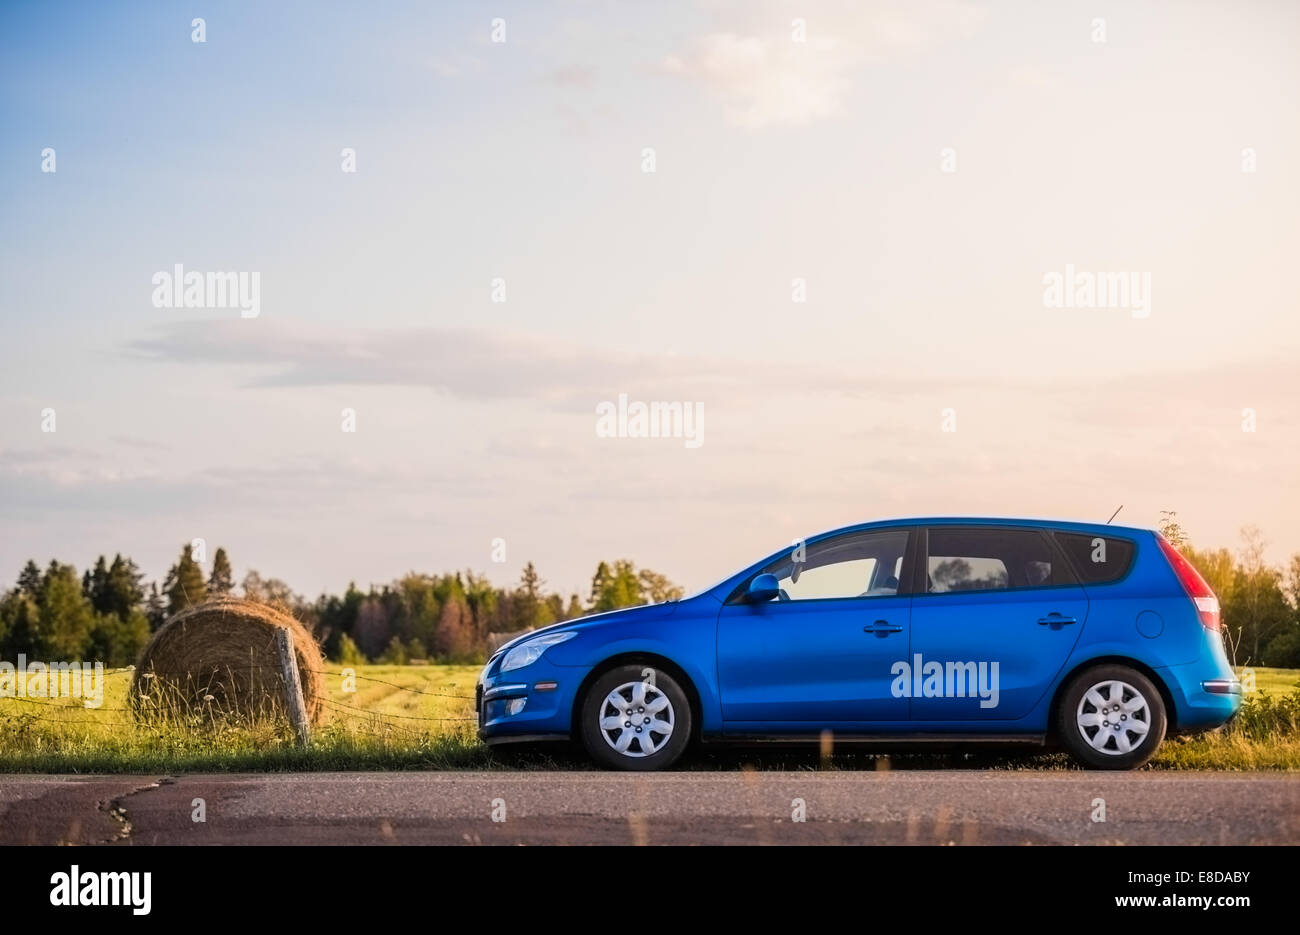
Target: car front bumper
<point>534,703</point>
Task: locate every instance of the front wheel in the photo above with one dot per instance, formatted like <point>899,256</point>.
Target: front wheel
<point>1111,717</point>
<point>635,717</point>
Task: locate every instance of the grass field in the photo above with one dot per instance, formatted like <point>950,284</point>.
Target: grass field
<point>421,717</point>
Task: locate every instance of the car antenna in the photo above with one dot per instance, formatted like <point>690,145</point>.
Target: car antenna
<point>1116,513</point>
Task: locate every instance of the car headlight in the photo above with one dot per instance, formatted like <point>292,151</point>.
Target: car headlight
<point>529,651</point>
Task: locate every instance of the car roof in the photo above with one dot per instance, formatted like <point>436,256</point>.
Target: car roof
<point>1039,522</point>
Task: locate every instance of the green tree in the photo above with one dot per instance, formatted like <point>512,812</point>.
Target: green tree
<point>1259,603</point>
<point>117,641</point>
<point>658,587</point>
<point>155,607</point>
<point>394,654</point>
<point>65,617</point>
<point>19,623</point>
<point>29,579</point>
<point>184,585</point>
<point>1283,651</point>
<point>94,584</point>
<point>222,579</point>
<point>116,589</point>
<point>528,598</point>
<point>349,654</point>
<point>616,587</point>
<point>599,582</point>
<point>120,627</point>
<point>415,651</point>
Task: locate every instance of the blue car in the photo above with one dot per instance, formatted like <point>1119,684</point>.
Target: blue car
<point>1099,639</point>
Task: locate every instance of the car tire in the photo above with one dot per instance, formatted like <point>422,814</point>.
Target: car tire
<point>1111,717</point>
<point>648,729</point>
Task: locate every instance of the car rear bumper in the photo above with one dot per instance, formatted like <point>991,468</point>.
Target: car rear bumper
<point>1204,696</point>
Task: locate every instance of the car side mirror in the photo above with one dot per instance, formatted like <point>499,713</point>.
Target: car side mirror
<point>762,589</point>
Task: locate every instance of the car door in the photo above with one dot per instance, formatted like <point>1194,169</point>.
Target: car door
<point>820,654</point>
<point>996,613</point>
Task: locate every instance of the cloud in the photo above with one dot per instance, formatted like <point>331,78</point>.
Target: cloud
<point>571,76</point>
<point>767,80</point>
<point>488,366</point>
<point>478,365</point>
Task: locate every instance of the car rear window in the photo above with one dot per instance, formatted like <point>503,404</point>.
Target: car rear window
<point>964,558</point>
<point>1097,559</point>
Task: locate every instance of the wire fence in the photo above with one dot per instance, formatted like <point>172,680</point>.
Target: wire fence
<point>68,707</point>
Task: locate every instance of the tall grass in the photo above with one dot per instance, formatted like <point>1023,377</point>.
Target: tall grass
<point>421,718</point>
<point>1265,734</point>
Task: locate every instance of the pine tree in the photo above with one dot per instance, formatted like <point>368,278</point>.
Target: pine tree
<point>528,598</point>
<point>29,579</point>
<point>94,584</point>
<point>155,608</point>
<point>114,589</point>
<point>184,586</point>
<point>123,592</point>
<point>222,580</point>
<point>599,583</point>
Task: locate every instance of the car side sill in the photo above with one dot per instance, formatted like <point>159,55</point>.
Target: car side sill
<point>881,739</point>
<point>522,738</point>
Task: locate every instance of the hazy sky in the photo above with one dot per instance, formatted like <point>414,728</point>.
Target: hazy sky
<point>920,166</point>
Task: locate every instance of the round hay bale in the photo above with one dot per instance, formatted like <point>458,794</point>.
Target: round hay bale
<point>220,658</point>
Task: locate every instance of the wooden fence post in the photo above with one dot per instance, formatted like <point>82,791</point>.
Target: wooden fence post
<point>293,699</point>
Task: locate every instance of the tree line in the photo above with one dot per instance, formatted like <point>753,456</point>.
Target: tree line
<point>108,613</point>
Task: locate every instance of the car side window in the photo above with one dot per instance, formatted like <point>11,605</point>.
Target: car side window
<point>994,558</point>
<point>864,564</point>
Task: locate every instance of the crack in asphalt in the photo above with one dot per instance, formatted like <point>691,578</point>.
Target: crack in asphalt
<point>116,810</point>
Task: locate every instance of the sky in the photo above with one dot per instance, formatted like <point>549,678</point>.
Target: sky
<point>840,259</point>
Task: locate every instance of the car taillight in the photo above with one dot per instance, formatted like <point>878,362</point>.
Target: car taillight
<point>1202,595</point>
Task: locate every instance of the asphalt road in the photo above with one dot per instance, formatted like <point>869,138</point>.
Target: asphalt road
<point>742,807</point>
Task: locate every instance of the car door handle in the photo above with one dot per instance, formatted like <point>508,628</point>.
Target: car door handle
<point>1055,618</point>
<point>883,626</point>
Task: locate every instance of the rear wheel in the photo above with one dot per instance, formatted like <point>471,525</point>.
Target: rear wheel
<point>635,717</point>
<point>1111,717</point>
